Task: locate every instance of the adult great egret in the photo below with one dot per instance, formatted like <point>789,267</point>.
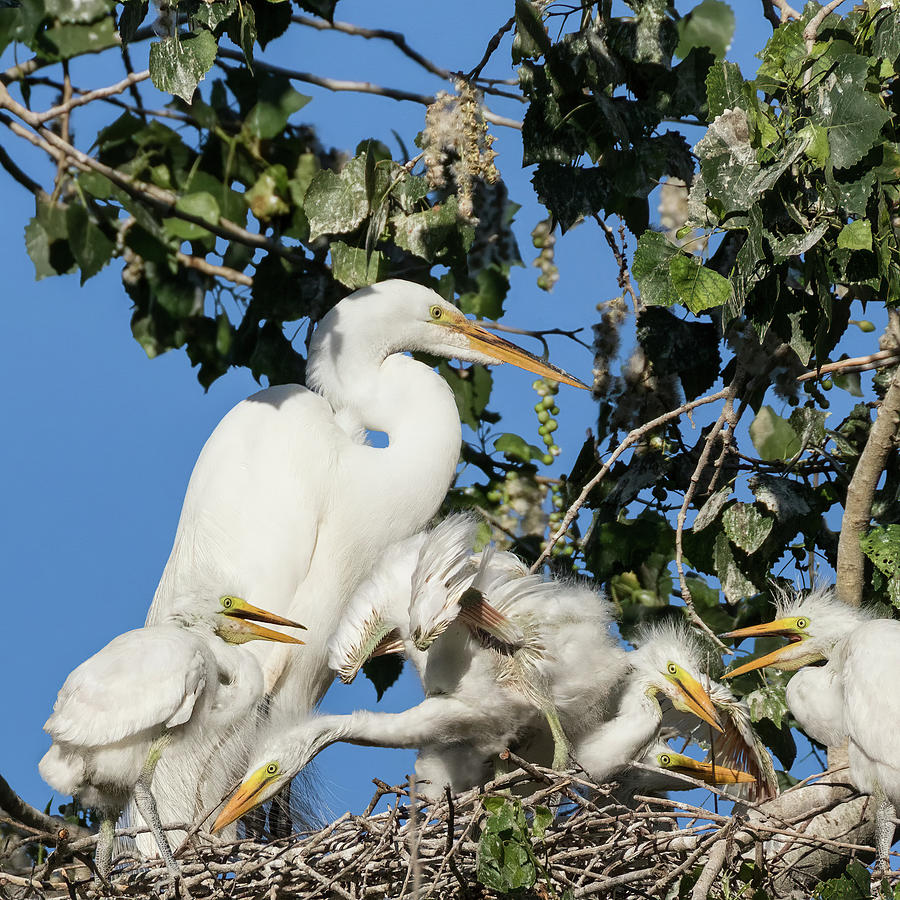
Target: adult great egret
<point>287,495</point>
<point>851,697</point>
<point>148,690</point>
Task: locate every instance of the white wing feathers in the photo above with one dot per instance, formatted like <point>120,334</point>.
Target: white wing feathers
<point>143,679</point>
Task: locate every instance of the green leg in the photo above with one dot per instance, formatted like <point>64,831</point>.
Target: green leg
<point>146,804</point>
<point>103,853</point>
<point>884,837</point>
<point>561,746</point>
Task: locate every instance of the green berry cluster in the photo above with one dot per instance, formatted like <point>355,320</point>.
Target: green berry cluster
<point>544,239</point>
<point>546,408</point>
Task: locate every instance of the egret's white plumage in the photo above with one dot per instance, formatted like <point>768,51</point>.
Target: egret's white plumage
<point>146,692</point>
<point>850,697</point>
<point>668,661</point>
<point>287,495</point>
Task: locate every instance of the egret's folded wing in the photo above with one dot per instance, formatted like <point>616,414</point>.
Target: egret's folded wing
<point>143,679</point>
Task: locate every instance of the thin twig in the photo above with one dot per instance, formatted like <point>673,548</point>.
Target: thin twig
<point>207,268</point>
<point>855,363</point>
<point>99,94</point>
<point>633,436</point>
<point>493,44</point>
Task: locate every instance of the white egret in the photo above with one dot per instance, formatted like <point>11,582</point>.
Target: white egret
<point>667,662</point>
<point>851,697</point>
<point>287,494</point>
<point>146,691</point>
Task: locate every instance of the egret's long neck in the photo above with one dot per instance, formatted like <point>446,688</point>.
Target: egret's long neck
<point>372,386</point>
<point>618,742</point>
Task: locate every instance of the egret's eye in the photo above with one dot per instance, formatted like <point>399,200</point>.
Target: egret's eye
<point>802,623</point>
<point>436,312</point>
<point>227,602</point>
<point>272,768</point>
<point>672,669</point>
<point>665,759</point>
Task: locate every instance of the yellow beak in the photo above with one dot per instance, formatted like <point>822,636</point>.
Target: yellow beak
<point>504,351</point>
<point>692,694</point>
<point>243,799</point>
<point>707,772</point>
<point>777,628</point>
<point>243,617</point>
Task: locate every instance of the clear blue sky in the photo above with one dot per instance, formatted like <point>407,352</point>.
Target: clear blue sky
<point>100,441</point>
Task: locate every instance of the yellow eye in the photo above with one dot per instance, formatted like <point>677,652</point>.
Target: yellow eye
<point>665,759</point>
<point>227,602</point>
<point>802,623</point>
<point>672,669</point>
<point>436,312</point>
<point>272,769</point>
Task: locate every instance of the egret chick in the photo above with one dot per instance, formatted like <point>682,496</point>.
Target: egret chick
<point>147,689</point>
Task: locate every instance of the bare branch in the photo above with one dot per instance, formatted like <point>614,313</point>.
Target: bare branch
<point>25,813</point>
<point>812,29</point>
<point>98,94</point>
<point>207,268</point>
<point>20,176</point>
<point>493,44</point>
<point>861,492</point>
<point>360,87</point>
<point>854,364</point>
<point>633,436</point>
<point>785,12</point>
<point>539,334</point>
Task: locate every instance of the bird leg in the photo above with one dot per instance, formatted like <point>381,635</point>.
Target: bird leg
<point>103,853</point>
<point>884,837</point>
<point>561,745</point>
<point>146,804</point>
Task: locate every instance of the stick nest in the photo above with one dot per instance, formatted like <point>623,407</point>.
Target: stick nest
<point>596,845</point>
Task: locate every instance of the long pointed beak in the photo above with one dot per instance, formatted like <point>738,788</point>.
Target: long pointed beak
<point>241,609</point>
<point>697,700</point>
<point>243,799</point>
<point>505,351</point>
<point>707,772</point>
<point>777,628</point>
<point>250,631</point>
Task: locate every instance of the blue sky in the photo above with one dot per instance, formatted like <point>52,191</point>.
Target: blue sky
<point>100,441</point>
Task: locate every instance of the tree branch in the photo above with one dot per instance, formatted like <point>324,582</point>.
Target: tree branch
<point>861,492</point>
<point>25,813</point>
<point>21,177</point>
<point>812,29</point>
<point>493,44</point>
<point>98,94</point>
<point>786,12</point>
<point>208,268</point>
<point>855,364</point>
<point>632,436</point>
<point>361,87</point>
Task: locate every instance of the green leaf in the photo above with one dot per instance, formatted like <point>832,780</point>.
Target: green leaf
<point>853,884</point>
<point>130,18</point>
<point>471,389</point>
<point>651,269</point>
<point>336,203</point>
<point>882,546</point>
<point>77,11</point>
<point>487,301</point>
<point>200,204</point>
<point>797,244</point>
<point>816,147</point>
<point>809,425</point>
<point>851,115</point>
<point>697,286</point>
<point>434,233</point>
<point>178,65</point>
<point>37,243</point>
<point>541,821</point>
<point>856,235</point>
<point>773,436</point>
<point>212,15</point>
<point>351,268</point>
<point>781,497</point>
<point>710,510</point>
<point>735,584</point>
<point>66,41</point>
<point>91,248</point>
<point>768,702</point>
<point>709,24</point>
<point>531,39</point>
<point>746,526</point>
<point>278,102</point>
<point>268,197</point>
<point>11,21</point>
<point>725,88</point>
<point>517,449</point>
